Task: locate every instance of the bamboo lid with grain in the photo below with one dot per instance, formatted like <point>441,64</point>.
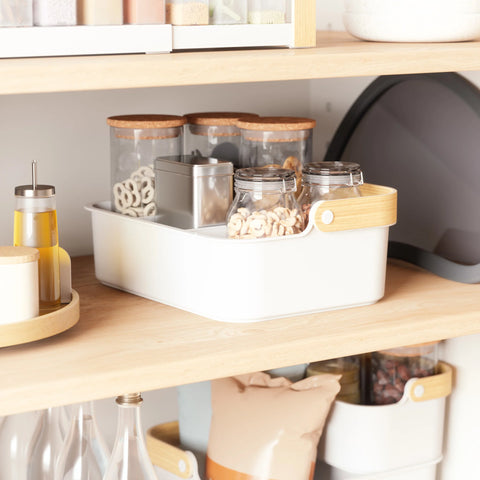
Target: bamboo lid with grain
<point>146,121</point>
<point>273,124</point>
<point>10,255</point>
<point>216,118</point>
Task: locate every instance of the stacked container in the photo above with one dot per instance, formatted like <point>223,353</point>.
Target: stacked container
<point>53,12</point>
<point>214,134</point>
<point>16,13</point>
<point>228,12</point>
<point>187,12</point>
<point>144,11</point>
<point>267,11</point>
<point>104,12</point>
<point>135,142</point>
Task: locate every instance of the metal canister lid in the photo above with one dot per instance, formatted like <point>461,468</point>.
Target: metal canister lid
<point>10,255</point>
<point>192,165</point>
<point>266,179</point>
<point>332,173</point>
<point>39,191</point>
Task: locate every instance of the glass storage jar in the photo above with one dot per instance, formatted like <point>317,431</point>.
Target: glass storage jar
<point>53,12</point>
<point>391,369</point>
<point>264,204</point>
<point>329,181</point>
<point>135,142</point>
<point>267,11</point>
<point>228,12</point>
<point>100,12</point>
<point>144,12</point>
<point>283,141</point>
<point>16,13</point>
<point>187,12</point>
<point>348,368</point>
<point>214,134</point>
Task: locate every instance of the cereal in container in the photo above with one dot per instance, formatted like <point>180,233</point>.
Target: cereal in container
<point>214,134</point>
<point>267,11</point>
<point>264,205</point>
<point>283,141</point>
<point>100,12</point>
<point>329,181</point>
<point>135,142</point>
<point>187,12</point>
<point>391,369</point>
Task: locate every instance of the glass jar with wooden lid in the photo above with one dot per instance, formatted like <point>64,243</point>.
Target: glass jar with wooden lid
<point>135,142</point>
<point>280,141</point>
<point>214,134</point>
<point>391,369</point>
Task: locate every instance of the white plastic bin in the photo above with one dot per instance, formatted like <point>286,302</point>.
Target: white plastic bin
<point>339,261</point>
<point>382,441</point>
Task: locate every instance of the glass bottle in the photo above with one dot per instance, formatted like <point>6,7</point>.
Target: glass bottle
<point>84,455</point>
<point>35,225</point>
<point>17,435</point>
<point>329,181</point>
<point>46,448</point>
<point>264,204</point>
<point>129,459</point>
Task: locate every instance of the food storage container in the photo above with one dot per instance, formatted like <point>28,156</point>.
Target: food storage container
<point>391,369</point>
<point>214,134</point>
<point>413,20</point>
<point>228,12</point>
<point>264,205</point>
<point>399,441</point>
<point>53,12</point>
<point>192,192</point>
<point>348,368</point>
<point>16,13</point>
<point>144,11</point>
<point>329,180</point>
<point>18,284</point>
<point>100,12</point>
<point>187,12</point>
<point>283,141</point>
<point>135,142</point>
<point>267,11</point>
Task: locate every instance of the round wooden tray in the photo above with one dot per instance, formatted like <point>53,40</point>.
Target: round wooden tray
<point>43,326</point>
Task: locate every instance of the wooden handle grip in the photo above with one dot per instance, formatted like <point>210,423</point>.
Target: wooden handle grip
<point>375,208</point>
<point>161,441</point>
<point>435,386</point>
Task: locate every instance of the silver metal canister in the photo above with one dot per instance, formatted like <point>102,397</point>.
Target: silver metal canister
<point>192,191</point>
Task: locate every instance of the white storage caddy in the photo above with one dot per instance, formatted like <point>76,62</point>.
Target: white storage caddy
<point>339,261</point>
<point>395,442</point>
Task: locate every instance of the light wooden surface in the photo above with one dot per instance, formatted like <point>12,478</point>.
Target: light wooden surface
<point>125,343</point>
<point>42,326</point>
<point>337,54</point>
<point>305,23</point>
<point>377,207</point>
<point>435,386</point>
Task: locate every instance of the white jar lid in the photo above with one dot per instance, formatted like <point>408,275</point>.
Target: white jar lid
<point>11,255</point>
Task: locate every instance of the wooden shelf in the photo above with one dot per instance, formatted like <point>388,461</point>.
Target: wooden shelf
<point>337,55</point>
<point>124,343</point>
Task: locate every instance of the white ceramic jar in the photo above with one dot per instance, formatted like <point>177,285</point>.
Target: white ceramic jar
<point>18,284</point>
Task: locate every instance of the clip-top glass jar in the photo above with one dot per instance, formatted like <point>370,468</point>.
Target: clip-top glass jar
<point>264,204</point>
<point>214,134</point>
<point>392,368</point>
<point>135,142</point>
<point>329,181</point>
<point>283,141</point>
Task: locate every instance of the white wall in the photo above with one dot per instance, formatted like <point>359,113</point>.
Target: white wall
<point>67,134</point>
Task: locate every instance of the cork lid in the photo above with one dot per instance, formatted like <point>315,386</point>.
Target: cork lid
<point>216,118</point>
<point>146,121</point>
<point>12,255</point>
<point>276,123</point>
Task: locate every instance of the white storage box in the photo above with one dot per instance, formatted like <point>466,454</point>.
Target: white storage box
<point>382,441</point>
<point>339,261</point>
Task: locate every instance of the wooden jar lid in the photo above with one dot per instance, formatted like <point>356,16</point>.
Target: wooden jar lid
<point>272,124</point>
<point>216,118</point>
<point>13,255</point>
<point>146,121</point>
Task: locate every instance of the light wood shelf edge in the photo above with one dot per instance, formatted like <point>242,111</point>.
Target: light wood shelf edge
<point>126,343</point>
<point>336,54</point>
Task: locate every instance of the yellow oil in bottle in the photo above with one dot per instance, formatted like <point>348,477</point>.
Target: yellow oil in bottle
<point>39,230</point>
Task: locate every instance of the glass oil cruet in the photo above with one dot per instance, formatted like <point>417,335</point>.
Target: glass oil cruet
<point>129,459</point>
<point>35,225</point>
<point>46,448</point>
<point>84,455</point>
